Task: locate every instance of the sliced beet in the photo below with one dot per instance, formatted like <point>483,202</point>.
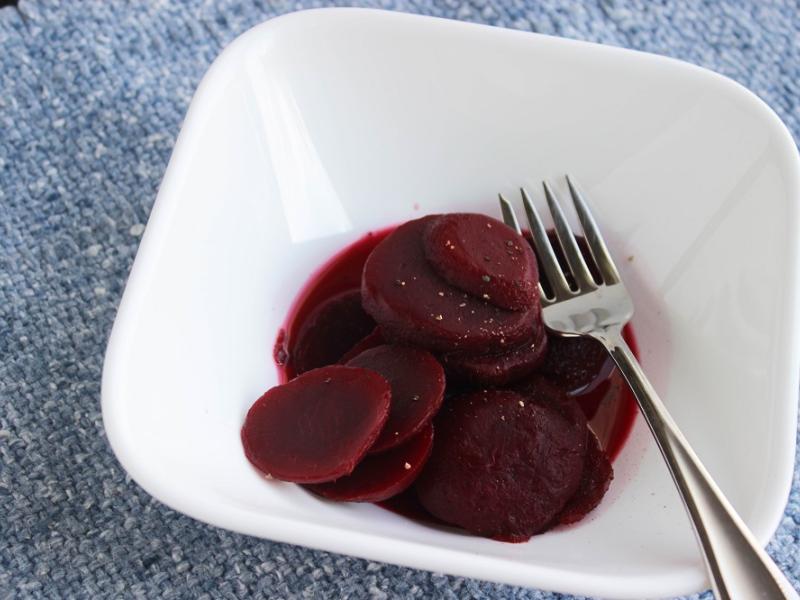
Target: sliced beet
<point>504,464</point>
<point>412,304</point>
<point>408,505</point>
<point>375,338</point>
<point>484,257</point>
<point>318,426</point>
<point>498,369</point>
<point>579,364</point>
<point>330,331</point>
<point>417,382</point>
<point>597,476</point>
<point>380,476</point>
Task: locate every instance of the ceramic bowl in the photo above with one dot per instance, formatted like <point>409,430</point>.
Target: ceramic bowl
<point>311,129</point>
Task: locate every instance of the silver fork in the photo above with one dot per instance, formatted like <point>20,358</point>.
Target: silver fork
<point>738,568</point>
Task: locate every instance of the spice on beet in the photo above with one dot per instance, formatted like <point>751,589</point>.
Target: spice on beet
<point>498,368</point>
<point>417,314</point>
<point>483,257</point>
<point>417,382</point>
<point>501,469</point>
<point>381,476</point>
<point>512,455</point>
<point>579,364</point>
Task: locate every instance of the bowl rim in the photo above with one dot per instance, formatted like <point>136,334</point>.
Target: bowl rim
<point>404,552</point>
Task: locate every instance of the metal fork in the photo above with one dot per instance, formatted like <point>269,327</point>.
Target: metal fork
<point>738,568</point>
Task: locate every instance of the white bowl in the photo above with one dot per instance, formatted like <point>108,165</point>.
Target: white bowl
<point>311,129</point>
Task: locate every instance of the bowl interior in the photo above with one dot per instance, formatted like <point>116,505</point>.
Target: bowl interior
<point>313,129</point>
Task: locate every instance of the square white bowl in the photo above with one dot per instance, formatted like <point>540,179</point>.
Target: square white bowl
<point>312,129</point>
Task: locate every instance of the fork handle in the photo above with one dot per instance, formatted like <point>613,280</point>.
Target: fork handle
<point>739,569</point>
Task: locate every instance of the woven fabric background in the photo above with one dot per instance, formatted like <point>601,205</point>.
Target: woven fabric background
<point>92,94</point>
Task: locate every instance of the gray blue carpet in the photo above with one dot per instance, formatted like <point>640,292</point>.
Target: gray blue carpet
<point>92,94</point>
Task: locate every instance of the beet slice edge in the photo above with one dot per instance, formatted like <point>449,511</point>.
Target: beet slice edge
<point>504,463</point>
<point>381,476</point>
<point>483,257</point>
<point>498,369</point>
<point>417,382</point>
<point>413,305</point>
<point>318,426</point>
<point>330,330</point>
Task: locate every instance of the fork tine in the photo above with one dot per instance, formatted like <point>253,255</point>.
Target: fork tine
<point>544,250</point>
<point>597,246</point>
<point>510,219</point>
<point>583,278</point>
<point>509,216</point>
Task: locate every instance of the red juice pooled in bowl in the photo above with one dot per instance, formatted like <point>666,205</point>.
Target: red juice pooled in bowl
<point>488,351</point>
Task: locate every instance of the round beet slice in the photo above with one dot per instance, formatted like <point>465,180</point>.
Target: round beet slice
<point>417,382</point>
<point>380,476</point>
<point>371,341</point>
<point>504,464</point>
<point>597,476</point>
<point>330,330</point>
<point>578,364</point>
<point>498,369</point>
<point>485,257</point>
<point>318,426</point>
<point>413,305</point>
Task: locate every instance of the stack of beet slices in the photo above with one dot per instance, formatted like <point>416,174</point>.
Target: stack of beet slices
<point>359,432</point>
<point>503,450</point>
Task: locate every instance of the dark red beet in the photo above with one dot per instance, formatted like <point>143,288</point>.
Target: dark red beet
<point>380,476</point>
<point>408,505</point>
<point>412,304</point>
<point>484,257</point>
<point>417,382</point>
<point>578,364</point>
<point>597,476</point>
<point>375,338</point>
<point>504,464</point>
<point>498,369</point>
<point>330,331</point>
<point>318,426</point>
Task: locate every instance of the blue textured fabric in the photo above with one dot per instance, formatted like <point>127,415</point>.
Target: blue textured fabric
<point>91,99</point>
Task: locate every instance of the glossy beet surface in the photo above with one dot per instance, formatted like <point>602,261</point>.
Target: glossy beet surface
<point>412,304</point>
<point>417,382</point>
<point>483,257</point>
<point>381,476</point>
<point>607,403</point>
<point>318,426</point>
<point>609,406</point>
